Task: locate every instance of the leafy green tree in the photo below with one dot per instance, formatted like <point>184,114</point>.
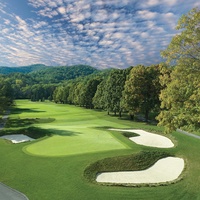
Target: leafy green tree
<point>41,92</point>
<point>89,92</point>
<point>113,92</point>
<point>6,94</point>
<point>79,93</point>
<point>58,94</point>
<point>141,90</point>
<point>181,96</point>
<point>74,96</point>
<point>99,100</point>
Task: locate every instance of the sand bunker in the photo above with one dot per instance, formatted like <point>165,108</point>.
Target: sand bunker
<point>17,138</point>
<point>164,170</point>
<point>149,139</point>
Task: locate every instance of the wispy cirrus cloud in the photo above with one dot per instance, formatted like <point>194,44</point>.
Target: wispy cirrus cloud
<point>100,33</point>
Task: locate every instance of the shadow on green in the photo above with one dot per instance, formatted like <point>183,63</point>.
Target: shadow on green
<point>17,122</point>
<point>36,132</point>
<point>27,110</point>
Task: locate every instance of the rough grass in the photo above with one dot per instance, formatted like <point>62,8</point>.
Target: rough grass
<point>63,177</point>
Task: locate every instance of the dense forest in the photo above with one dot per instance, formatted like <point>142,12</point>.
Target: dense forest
<point>168,92</point>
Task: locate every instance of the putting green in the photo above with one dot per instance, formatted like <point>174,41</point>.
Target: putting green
<point>74,130</point>
<point>77,143</point>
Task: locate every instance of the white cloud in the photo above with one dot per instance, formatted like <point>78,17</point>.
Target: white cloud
<point>7,22</point>
<point>61,10</point>
<point>170,3</point>
<point>146,14</point>
<point>151,3</point>
<point>144,35</point>
<point>170,19</point>
<point>77,18</point>
<point>40,24</point>
<point>196,4</point>
<point>48,12</point>
<point>106,42</point>
<point>100,15</point>
<point>118,35</point>
<point>5,31</point>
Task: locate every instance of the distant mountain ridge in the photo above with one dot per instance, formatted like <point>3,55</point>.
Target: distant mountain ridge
<point>21,69</point>
<point>48,74</point>
<point>62,73</point>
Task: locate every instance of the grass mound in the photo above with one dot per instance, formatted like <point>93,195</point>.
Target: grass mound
<point>134,162</point>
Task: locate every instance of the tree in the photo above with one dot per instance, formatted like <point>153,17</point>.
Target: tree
<point>114,87</point>
<point>181,96</point>
<point>58,95</point>
<point>6,94</point>
<point>98,100</point>
<point>89,92</point>
<point>141,90</point>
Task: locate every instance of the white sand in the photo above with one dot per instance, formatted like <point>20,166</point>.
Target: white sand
<point>164,170</point>
<point>17,138</point>
<point>149,139</point>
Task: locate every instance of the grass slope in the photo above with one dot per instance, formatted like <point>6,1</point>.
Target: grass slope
<point>62,177</point>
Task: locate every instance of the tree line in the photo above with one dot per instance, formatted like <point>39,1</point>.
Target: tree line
<point>133,90</point>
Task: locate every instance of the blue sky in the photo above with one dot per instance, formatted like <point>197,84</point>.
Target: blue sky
<point>100,33</point>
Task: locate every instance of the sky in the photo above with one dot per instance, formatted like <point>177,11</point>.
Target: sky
<point>99,33</point>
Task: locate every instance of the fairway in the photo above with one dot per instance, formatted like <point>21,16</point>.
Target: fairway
<point>73,131</point>
<point>52,166</point>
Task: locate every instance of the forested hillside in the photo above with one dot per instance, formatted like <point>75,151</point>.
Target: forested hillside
<point>58,74</point>
<point>40,83</point>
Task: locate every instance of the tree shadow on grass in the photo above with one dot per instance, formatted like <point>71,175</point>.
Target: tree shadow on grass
<point>36,132</point>
<point>17,122</point>
<point>139,119</point>
<point>33,132</point>
<point>103,127</point>
<point>63,132</point>
<point>124,133</point>
<point>27,110</point>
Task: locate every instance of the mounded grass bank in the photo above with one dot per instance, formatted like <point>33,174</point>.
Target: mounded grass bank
<point>63,177</point>
<point>133,162</point>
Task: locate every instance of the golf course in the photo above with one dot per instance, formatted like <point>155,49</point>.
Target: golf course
<point>70,145</point>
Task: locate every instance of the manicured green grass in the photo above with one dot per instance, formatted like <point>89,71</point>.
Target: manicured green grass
<point>73,132</point>
<point>44,176</point>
